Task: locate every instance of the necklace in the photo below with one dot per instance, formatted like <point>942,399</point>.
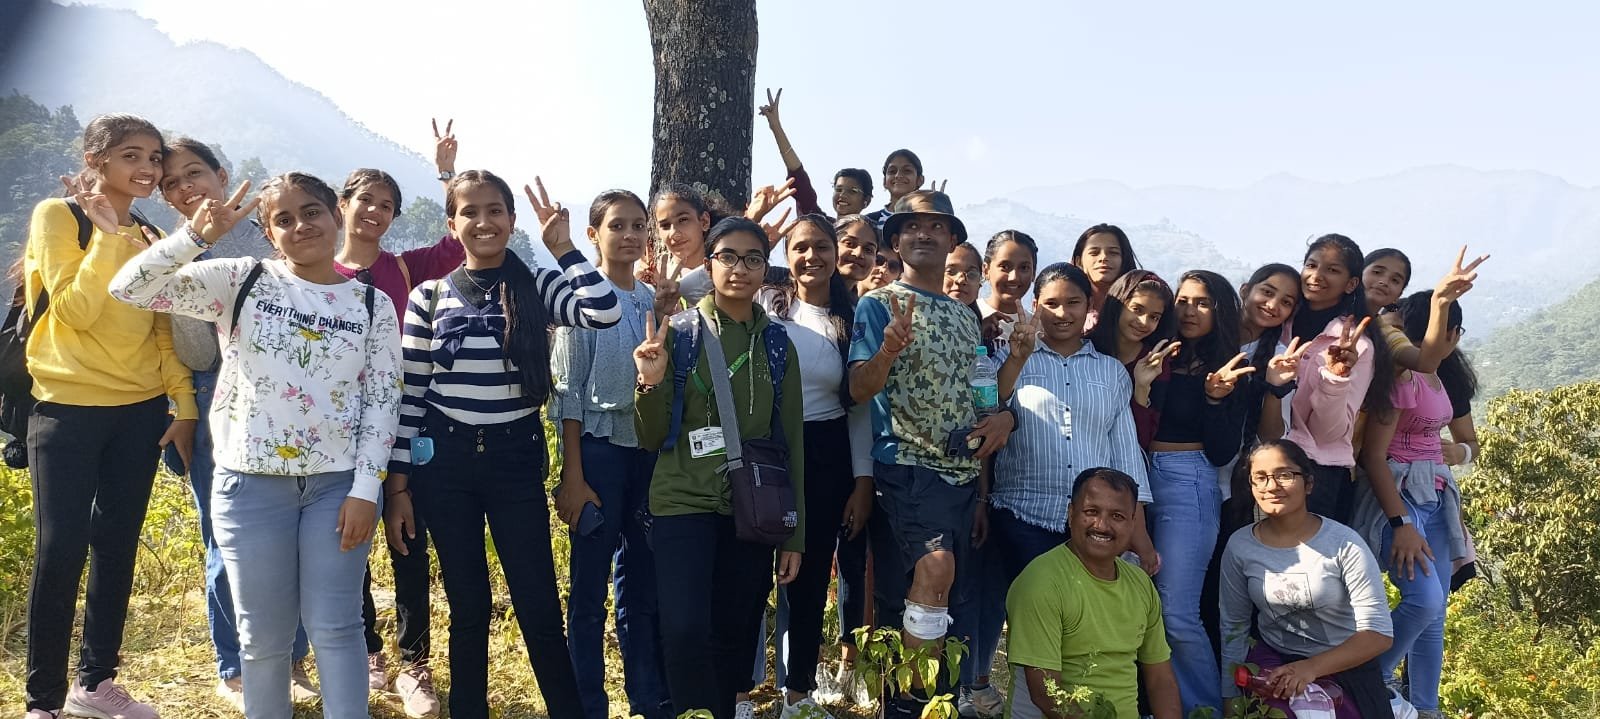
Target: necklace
<point>468,274</point>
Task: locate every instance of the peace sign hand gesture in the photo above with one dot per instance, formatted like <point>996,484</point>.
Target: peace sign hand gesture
<point>1340,357</point>
<point>777,230</point>
<point>555,222</point>
<point>214,219</point>
<point>96,206</point>
<point>650,357</point>
<point>1024,337</point>
<point>1284,367</point>
<point>937,185</point>
<point>770,110</point>
<point>444,147</point>
<point>765,199</point>
<point>667,292</point>
<point>1220,384</point>
<point>899,333</point>
<point>1147,369</point>
<point>1458,281</point>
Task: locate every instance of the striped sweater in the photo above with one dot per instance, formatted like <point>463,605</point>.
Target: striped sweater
<point>452,355</point>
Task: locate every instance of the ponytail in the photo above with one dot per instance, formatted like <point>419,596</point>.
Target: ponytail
<point>527,327</point>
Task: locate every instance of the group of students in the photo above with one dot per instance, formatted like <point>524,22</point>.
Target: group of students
<point>1256,452</point>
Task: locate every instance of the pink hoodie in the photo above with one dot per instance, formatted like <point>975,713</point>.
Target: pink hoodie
<point>1322,416</point>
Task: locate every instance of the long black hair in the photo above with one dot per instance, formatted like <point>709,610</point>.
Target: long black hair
<point>841,299</point>
<point>526,340</point>
<point>1130,261</point>
<point>1267,342</point>
<point>1221,344</point>
<point>1354,304</point>
<point>1455,372</point>
<point>1106,330</point>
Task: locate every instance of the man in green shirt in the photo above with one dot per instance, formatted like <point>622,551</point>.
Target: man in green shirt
<point>1082,616</point>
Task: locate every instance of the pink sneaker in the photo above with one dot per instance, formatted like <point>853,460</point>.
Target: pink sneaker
<point>377,672</point>
<point>110,701</point>
<point>38,714</point>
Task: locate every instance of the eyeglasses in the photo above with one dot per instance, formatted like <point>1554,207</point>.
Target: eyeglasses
<point>970,275</point>
<point>729,258</point>
<point>1260,479</point>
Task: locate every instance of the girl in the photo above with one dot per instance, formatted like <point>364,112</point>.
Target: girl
<point>1344,347</point>
<point>963,275</point>
<point>102,374</point>
<point>1411,483</point>
<point>477,372</point>
<point>1138,330</point>
<point>603,465</point>
<point>305,416</point>
<point>1199,430</point>
<point>192,174</point>
<point>681,218</point>
<point>1008,265</point>
<point>1311,588</point>
<point>817,310</point>
<point>1386,274</point>
<point>1105,254</point>
<point>858,247</point>
<point>713,586</point>
<point>902,175</point>
<point>852,187</point>
<point>886,268</point>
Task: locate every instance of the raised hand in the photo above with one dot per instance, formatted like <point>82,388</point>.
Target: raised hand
<point>1149,367</point>
<point>899,333</point>
<point>214,219</point>
<point>1283,368</point>
<point>765,199</point>
<point>1340,357</point>
<point>555,222</point>
<point>650,357</point>
<point>777,230</point>
<point>937,185</point>
<point>770,110</point>
<point>1024,336</point>
<point>667,292</point>
<point>96,206</point>
<point>1458,281</point>
<point>1220,384</point>
<point>444,147</point>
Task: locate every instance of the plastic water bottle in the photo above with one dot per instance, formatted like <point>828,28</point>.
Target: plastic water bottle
<point>985,383</point>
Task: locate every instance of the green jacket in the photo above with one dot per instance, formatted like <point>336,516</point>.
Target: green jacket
<point>683,484</point>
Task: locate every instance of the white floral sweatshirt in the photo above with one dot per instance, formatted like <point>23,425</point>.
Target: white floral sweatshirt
<point>310,381</point>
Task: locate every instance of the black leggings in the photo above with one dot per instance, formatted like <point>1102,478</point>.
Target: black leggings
<point>828,487</point>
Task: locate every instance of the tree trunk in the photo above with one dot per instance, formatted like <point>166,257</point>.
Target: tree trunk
<point>705,65</point>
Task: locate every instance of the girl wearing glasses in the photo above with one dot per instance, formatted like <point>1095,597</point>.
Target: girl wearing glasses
<point>1313,589</point>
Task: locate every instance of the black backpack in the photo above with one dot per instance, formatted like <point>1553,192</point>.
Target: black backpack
<point>16,385</point>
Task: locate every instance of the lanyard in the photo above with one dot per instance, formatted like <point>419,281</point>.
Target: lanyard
<point>733,369</point>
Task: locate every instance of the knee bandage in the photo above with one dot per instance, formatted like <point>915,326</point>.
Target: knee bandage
<point>925,622</point>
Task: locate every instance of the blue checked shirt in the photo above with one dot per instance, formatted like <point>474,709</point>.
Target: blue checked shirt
<point>1072,414</point>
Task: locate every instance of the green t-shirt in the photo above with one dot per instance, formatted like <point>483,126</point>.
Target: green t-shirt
<point>1065,619</point>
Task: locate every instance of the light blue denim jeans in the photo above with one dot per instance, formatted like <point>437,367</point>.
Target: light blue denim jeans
<point>1185,516</point>
<point>280,545</point>
<point>1419,619</point>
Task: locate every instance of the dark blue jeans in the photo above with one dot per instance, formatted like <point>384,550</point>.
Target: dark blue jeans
<point>620,476</point>
<point>980,610</point>
<point>219,593</point>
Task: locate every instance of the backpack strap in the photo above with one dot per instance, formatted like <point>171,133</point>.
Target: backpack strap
<point>248,284</point>
<point>405,272</point>
<point>685,355</point>
<point>85,226</point>
<point>369,300</point>
<point>26,320</point>
<point>776,340</point>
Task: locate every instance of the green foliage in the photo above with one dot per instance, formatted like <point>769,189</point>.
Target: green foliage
<point>1501,664</point>
<point>883,658</point>
<point>1079,702</point>
<point>1532,502</point>
<point>420,225</point>
<point>16,535</point>
<point>1550,348</point>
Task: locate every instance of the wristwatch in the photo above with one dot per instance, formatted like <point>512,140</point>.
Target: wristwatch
<point>446,175</point>
<point>1282,390</point>
<point>1400,521</point>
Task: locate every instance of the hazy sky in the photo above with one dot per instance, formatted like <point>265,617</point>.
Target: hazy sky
<point>994,95</point>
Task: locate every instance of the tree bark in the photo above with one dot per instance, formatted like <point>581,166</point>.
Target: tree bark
<point>705,66</point>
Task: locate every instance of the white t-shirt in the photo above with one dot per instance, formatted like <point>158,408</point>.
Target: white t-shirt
<point>815,337</point>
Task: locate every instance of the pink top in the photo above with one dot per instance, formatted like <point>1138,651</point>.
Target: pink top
<point>1424,410</point>
<point>423,264</point>
<point>1322,414</point>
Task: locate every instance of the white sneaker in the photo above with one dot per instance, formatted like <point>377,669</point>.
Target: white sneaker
<point>806,708</point>
<point>745,710</point>
<point>232,692</point>
<point>301,689</point>
<point>377,671</point>
<point>984,703</point>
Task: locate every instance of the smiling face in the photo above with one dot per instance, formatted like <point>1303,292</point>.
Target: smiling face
<point>858,250</point>
<point>622,232</point>
<point>731,273</point>
<point>682,229</point>
<point>1141,315</point>
<point>1325,278</point>
<point>482,221</point>
<point>1009,272</point>
<point>961,275</point>
<point>1195,310</point>
<point>885,270</point>
<point>849,197</point>
<point>1101,521</point>
<point>131,168</point>
<point>1101,259</point>
<point>1277,497</point>
<point>924,241</point>
<point>900,177</point>
<point>187,180</point>
<point>369,211</point>
<point>1059,309</point>
<point>1269,303</point>
<point>303,229</point>
<point>811,255</point>
<point>1385,279</point>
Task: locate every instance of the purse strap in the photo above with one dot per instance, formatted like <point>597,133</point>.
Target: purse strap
<point>722,389</point>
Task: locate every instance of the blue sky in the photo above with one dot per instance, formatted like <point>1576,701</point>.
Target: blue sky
<point>995,96</point>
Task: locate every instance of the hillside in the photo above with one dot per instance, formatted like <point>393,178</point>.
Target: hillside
<point>1557,346</point>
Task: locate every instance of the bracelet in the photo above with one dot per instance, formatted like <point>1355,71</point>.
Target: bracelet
<point>398,492</point>
<point>195,237</point>
<point>1283,390</point>
<point>1468,449</point>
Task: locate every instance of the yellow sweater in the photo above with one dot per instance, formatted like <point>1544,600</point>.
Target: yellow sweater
<point>89,349</point>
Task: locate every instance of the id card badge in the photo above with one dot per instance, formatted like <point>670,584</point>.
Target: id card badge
<point>706,441</point>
